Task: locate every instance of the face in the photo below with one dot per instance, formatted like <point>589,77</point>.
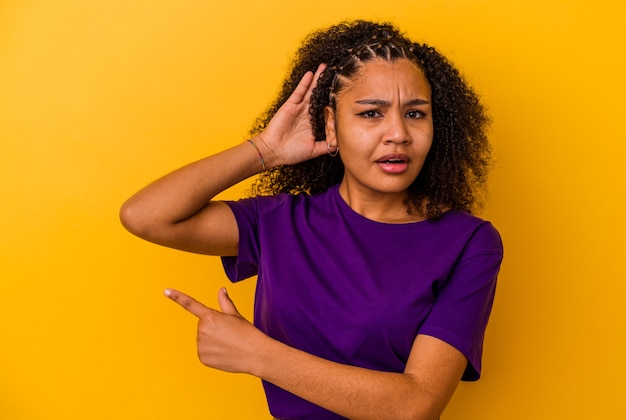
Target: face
<point>383,126</point>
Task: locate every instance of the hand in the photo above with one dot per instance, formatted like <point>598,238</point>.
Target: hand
<point>226,340</point>
<point>288,138</point>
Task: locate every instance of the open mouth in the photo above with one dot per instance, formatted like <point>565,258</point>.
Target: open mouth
<point>392,161</point>
<point>393,158</point>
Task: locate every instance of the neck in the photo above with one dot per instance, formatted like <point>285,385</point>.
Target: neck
<point>377,206</point>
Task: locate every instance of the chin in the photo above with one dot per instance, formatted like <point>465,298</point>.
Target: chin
<point>393,189</point>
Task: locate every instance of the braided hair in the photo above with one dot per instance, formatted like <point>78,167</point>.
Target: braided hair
<point>456,167</point>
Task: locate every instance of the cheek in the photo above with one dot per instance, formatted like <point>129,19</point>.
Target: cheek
<point>424,136</point>
<point>354,147</point>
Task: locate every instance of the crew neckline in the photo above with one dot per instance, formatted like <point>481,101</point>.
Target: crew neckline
<point>358,217</point>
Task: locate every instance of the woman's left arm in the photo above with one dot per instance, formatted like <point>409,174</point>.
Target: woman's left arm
<point>228,342</point>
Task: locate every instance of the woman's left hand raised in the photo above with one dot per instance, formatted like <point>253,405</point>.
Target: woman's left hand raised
<point>226,340</point>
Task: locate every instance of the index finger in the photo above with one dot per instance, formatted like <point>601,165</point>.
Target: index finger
<point>187,302</point>
<point>316,77</point>
<point>307,84</point>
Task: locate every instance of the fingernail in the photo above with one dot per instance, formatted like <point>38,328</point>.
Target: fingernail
<point>225,291</point>
<point>167,292</point>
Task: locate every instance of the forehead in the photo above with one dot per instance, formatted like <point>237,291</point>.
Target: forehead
<point>384,79</point>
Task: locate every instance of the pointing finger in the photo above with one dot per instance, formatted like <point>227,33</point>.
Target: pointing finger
<point>187,302</point>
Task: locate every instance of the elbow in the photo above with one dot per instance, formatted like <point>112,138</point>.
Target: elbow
<point>134,219</point>
<point>417,412</point>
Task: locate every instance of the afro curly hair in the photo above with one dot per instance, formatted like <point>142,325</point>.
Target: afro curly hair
<point>456,168</point>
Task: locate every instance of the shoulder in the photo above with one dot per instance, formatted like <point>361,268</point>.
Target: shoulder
<point>481,234</point>
<point>259,203</point>
<point>282,202</point>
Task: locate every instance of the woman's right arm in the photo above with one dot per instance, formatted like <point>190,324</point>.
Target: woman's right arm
<point>177,210</point>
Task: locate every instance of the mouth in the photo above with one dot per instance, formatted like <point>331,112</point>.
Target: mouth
<point>393,158</point>
<point>393,163</point>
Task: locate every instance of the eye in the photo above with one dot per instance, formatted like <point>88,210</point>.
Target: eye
<point>415,114</point>
<point>370,114</point>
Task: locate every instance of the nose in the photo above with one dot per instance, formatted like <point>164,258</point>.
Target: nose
<point>396,130</point>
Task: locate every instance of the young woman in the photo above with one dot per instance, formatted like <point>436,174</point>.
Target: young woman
<point>375,283</point>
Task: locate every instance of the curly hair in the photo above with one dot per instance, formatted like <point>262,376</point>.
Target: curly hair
<point>456,167</point>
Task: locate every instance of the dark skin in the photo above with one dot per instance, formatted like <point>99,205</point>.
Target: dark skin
<point>177,211</point>
<point>228,342</point>
<point>456,170</point>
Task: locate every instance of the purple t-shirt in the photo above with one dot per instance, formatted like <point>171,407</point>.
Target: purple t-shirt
<point>343,287</point>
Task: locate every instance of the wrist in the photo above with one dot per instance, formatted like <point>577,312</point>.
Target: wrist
<point>264,360</point>
<point>267,153</point>
<point>261,158</point>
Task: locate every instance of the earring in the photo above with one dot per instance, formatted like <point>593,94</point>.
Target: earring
<point>333,153</point>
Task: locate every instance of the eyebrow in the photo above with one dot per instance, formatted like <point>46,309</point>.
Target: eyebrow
<point>381,102</point>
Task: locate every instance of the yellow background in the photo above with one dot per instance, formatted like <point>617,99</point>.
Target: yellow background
<point>97,98</point>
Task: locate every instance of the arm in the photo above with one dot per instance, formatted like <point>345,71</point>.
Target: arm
<point>177,210</point>
<point>422,391</point>
<point>228,342</point>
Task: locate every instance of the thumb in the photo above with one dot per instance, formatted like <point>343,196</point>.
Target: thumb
<point>226,304</point>
<point>319,148</point>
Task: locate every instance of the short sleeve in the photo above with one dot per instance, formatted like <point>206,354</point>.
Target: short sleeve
<point>463,302</point>
<point>246,263</point>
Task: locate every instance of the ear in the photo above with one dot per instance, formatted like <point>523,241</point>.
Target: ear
<point>330,126</point>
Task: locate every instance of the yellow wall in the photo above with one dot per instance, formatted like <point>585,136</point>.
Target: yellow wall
<point>97,98</point>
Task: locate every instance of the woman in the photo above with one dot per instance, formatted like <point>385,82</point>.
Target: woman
<point>375,283</point>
